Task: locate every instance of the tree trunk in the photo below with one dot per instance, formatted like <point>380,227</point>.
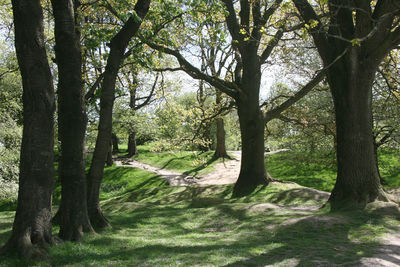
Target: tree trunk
<point>118,46</point>
<point>357,178</point>
<point>115,140</point>
<point>252,124</point>
<point>132,147</point>
<point>31,231</point>
<point>72,214</point>
<point>109,160</point>
<point>220,150</point>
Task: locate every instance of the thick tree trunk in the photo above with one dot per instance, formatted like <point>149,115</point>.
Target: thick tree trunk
<point>31,231</point>
<point>72,215</point>
<point>357,178</point>
<point>118,46</point>
<point>252,168</point>
<point>252,124</point>
<point>132,147</point>
<point>220,150</point>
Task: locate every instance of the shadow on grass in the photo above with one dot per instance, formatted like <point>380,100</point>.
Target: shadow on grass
<point>230,237</point>
<point>298,195</point>
<point>170,195</point>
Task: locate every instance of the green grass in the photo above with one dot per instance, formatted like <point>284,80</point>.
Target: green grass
<point>318,170</point>
<point>315,170</point>
<point>389,165</point>
<point>154,224</point>
<point>188,162</point>
<point>157,225</point>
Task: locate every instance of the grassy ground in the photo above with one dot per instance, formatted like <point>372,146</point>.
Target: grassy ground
<point>158,225</point>
<point>318,170</point>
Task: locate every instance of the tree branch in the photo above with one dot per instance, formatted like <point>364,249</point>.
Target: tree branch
<point>228,88</point>
<point>149,96</point>
<point>274,113</point>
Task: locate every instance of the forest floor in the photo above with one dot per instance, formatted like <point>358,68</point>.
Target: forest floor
<point>226,172</point>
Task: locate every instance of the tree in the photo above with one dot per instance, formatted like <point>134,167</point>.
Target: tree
<point>32,224</point>
<point>134,98</point>
<point>358,36</point>
<point>248,31</point>
<point>72,215</point>
<point>118,45</point>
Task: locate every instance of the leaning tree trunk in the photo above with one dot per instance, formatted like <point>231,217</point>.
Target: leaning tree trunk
<point>252,168</point>
<point>220,150</point>
<point>32,223</point>
<point>357,177</point>
<point>72,215</point>
<point>118,46</point>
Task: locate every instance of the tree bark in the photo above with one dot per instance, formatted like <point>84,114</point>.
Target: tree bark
<point>220,150</point>
<point>31,232</point>
<point>72,215</point>
<point>358,180</point>
<point>118,46</point>
<point>252,125</point>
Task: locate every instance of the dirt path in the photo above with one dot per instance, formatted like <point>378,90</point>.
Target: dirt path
<point>224,172</point>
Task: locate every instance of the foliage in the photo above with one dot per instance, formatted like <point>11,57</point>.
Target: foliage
<point>307,125</point>
<point>10,124</point>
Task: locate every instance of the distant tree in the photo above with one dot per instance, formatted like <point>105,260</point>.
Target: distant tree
<point>135,105</point>
<point>32,229</point>
<point>352,43</point>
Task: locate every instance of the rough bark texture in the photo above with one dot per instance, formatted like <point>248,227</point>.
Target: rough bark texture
<point>358,180</point>
<point>118,46</point>
<point>31,232</point>
<point>72,215</point>
<point>252,168</point>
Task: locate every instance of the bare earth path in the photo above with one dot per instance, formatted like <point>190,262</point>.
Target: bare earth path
<point>387,254</point>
